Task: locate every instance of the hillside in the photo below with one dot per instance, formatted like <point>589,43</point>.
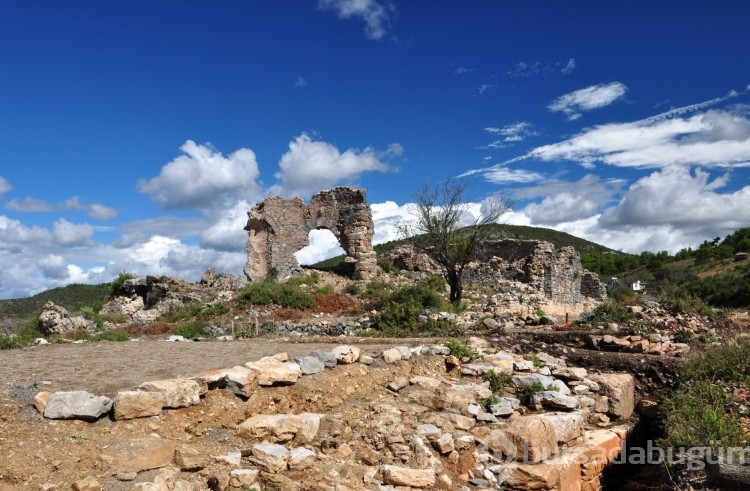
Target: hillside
<point>522,232</point>
<point>72,297</point>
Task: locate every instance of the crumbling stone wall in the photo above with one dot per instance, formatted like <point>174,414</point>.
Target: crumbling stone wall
<point>557,273</point>
<point>278,227</point>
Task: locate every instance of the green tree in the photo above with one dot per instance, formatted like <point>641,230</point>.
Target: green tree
<point>448,232</point>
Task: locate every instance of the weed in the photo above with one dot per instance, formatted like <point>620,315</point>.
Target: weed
<point>353,289</point>
<point>526,393</point>
<point>683,335</point>
<point>189,330</point>
<point>115,288</point>
<point>610,311</point>
<point>461,349</point>
<point>490,401</point>
<point>325,290</point>
<point>498,381</point>
<point>284,294</point>
<point>696,416</point>
<point>113,335</point>
<point>79,439</point>
<point>536,361</point>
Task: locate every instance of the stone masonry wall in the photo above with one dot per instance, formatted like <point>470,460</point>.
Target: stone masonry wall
<point>278,227</point>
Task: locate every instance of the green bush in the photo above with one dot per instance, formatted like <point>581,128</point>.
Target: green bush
<point>386,265</point>
<point>189,330</point>
<point>292,297</point>
<point>697,416</point>
<point>400,317</point>
<point>610,311</point>
<point>8,342</point>
<point>498,381</point>
<point>325,290</point>
<point>353,289</point>
<point>728,362</point>
<point>461,349</point>
<point>113,335</point>
<point>284,294</point>
<point>526,393</point>
<point>308,280</point>
<point>185,312</point>
<point>116,286</point>
<point>261,293</point>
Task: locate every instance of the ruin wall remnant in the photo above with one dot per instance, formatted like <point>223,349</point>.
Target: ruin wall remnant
<point>278,227</point>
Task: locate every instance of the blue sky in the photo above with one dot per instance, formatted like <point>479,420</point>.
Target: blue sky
<point>135,136</point>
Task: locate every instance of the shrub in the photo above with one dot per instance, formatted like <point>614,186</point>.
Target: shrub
<point>188,311</point>
<point>284,294</point>
<point>386,265</point>
<point>7,342</point>
<point>113,335</point>
<point>260,293</point>
<point>401,315</point>
<point>696,416</point>
<point>610,311</point>
<point>308,280</point>
<point>189,330</point>
<point>490,401</point>
<point>325,290</point>
<point>116,286</point>
<point>526,393</point>
<point>728,362</point>
<point>498,381</point>
<point>353,289</point>
<point>461,349</point>
<point>292,297</point>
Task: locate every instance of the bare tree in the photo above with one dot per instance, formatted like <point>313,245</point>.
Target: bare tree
<point>448,232</point>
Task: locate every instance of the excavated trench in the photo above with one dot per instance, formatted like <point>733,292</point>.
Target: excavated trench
<point>655,376</point>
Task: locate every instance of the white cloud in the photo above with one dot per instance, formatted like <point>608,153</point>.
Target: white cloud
<point>376,15</point>
<point>569,67</point>
<point>323,245</point>
<point>524,69</point>
<point>202,178</point>
<point>301,82</point>
<point>484,88</point>
<point>95,211</point>
<point>713,139</point>
<point>14,235</point>
<point>29,204</point>
<point>226,230</point>
<point>504,175</point>
<point>594,97</point>
<point>53,267</point>
<point>4,185</point>
<point>677,198</point>
<point>310,166</point>
<point>67,234</point>
<point>514,132</point>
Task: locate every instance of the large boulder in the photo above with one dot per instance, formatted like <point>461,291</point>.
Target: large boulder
<point>55,319</point>
<point>77,405</point>
<point>620,390</point>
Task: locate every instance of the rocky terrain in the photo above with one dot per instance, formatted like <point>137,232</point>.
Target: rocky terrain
<point>338,418</point>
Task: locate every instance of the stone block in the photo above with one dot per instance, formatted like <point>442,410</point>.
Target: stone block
<point>177,392</point>
<point>138,404</point>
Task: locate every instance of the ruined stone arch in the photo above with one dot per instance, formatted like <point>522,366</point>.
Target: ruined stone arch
<point>278,227</point>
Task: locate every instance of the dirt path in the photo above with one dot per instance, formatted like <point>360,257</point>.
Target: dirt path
<point>104,368</point>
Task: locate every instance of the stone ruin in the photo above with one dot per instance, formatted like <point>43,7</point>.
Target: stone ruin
<point>557,275</point>
<point>278,227</point>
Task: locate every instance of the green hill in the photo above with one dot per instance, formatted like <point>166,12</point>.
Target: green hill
<point>72,297</point>
<point>522,232</point>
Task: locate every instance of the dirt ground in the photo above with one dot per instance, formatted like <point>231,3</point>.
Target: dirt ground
<point>36,453</point>
<point>104,368</point>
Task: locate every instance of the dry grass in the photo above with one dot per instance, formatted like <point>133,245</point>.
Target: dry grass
<point>338,303</point>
